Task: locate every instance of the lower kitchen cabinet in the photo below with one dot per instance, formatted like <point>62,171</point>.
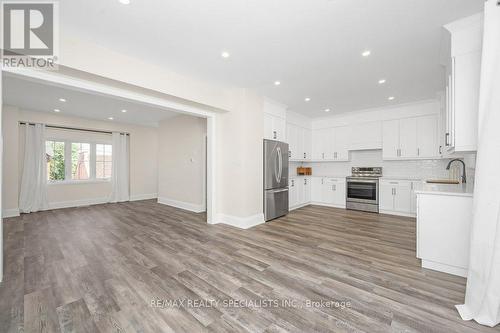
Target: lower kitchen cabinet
<point>398,197</point>
<point>299,192</point>
<point>328,191</point>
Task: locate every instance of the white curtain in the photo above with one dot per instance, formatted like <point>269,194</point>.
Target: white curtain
<point>120,173</point>
<point>33,196</point>
<point>482,298</point>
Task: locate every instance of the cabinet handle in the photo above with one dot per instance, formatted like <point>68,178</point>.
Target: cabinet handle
<point>322,181</point>
<point>289,154</point>
<point>323,155</point>
<point>305,181</point>
<point>304,155</point>
<point>274,134</point>
<point>440,150</point>
<point>447,136</point>
<point>418,151</point>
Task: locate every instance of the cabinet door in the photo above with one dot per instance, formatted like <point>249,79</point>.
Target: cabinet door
<point>317,189</point>
<point>390,140</point>
<point>427,136</point>
<point>415,186</point>
<point>386,196</point>
<point>328,191</point>
<point>299,183</point>
<point>293,140</point>
<point>306,141</point>
<point>268,127</point>
<point>320,144</point>
<point>279,127</point>
<point>402,197</point>
<point>307,190</point>
<point>338,192</point>
<point>342,142</point>
<point>292,193</point>
<point>408,137</point>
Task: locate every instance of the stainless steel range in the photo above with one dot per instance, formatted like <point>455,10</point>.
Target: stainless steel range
<point>363,189</point>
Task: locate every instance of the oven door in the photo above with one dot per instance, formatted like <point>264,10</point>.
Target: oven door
<point>362,190</point>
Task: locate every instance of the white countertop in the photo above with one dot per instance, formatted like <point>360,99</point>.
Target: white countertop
<point>447,189</point>
<point>319,176</point>
<point>401,178</point>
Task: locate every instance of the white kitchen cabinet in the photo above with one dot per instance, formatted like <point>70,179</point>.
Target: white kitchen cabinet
<point>415,186</point>
<point>408,138</point>
<point>395,197</point>
<point>293,140</point>
<point>299,142</point>
<point>411,138</point>
<point>293,198</point>
<point>328,191</point>
<point>274,127</point>
<point>463,79</point>
<point>366,135</point>
<point>299,192</point>
<point>443,232</point>
<point>321,144</point>
<point>331,144</point>
<point>341,142</point>
<point>427,136</point>
<point>390,140</point>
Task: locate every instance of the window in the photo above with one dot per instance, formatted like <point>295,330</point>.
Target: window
<point>103,161</point>
<point>80,161</point>
<point>56,169</point>
<point>69,161</point>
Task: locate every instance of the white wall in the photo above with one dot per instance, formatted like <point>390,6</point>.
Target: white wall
<point>239,132</point>
<point>143,161</point>
<point>182,162</point>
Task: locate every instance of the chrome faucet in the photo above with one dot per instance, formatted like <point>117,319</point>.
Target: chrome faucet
<point>464,178</point>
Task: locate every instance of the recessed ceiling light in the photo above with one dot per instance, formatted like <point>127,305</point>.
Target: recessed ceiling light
<point>327,110</point>
<point>125,2</point>
<point>225,54</point>
<point>62,100</point>
<point>110,118</point>
<point>381,81</point>
<point>277,83</point>
<point>124,111</point>
<point>57,110</point>
<point>366,53</point>
<point>391,98</point>
<point>307,99</point>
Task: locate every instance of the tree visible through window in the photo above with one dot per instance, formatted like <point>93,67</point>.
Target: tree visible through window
<point>80,161</point>
<point>55,160</point>
<point>104,161</point>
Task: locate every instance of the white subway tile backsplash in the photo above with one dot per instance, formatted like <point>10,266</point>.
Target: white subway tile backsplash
<point>423,169</point>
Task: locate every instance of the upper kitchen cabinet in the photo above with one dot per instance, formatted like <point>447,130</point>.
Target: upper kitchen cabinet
<point>299,141</point>
<point>331,144</point>
<point>411,138</point>
<point>274,121</point>
<point>463,77</point>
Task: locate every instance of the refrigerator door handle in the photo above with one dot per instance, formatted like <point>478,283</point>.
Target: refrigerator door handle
<point>280,164</point>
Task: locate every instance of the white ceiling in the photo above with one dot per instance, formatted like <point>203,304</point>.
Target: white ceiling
<point>37,96</point>
<point>312,46</point>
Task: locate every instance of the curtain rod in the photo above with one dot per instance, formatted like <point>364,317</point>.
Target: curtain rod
<point>72,128</point>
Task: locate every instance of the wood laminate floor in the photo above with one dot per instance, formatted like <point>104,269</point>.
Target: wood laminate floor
<point>97,269</point>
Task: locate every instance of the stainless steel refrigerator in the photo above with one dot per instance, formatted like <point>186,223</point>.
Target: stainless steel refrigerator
<point>275,179</point>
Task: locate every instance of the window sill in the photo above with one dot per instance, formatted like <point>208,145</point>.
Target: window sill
<point>78,182</point>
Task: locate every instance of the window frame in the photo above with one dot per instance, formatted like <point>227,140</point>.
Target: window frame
<point>68,177</point>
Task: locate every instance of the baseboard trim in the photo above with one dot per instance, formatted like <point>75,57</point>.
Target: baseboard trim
<point>14,212</point>
<point>322,204</point>
<point>182,205</point>
<point>454,270</point>
<point>139,197</point>
<point>389,212</point>
<point>77,203</point>
<point>241,222</point>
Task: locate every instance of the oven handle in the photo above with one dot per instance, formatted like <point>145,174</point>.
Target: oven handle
<point>363,181</point>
